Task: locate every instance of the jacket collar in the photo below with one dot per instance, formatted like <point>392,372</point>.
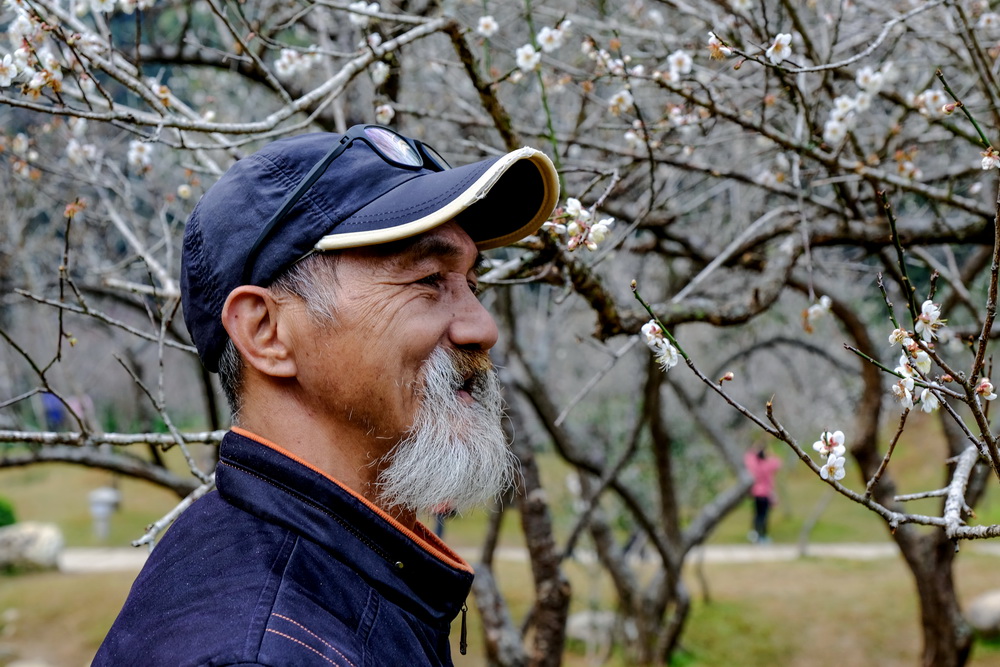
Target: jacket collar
<point>413,568</point>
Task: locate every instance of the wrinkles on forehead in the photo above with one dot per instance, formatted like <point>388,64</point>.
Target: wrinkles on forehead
<point>407,252</point>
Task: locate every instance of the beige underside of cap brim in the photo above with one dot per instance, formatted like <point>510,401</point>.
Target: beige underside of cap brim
<point>478,190</point>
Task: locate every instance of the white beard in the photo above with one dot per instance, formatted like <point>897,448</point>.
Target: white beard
<point>455,455</point>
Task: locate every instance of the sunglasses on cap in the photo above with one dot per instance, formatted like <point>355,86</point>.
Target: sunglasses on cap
<point>394,148</point>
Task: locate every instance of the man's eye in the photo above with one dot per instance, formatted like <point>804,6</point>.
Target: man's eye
<point>433,280</point>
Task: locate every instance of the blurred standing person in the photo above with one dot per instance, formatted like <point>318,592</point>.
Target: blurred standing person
<point>762,467</point>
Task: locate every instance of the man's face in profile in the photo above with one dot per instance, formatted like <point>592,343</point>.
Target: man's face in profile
<point>405,365</point>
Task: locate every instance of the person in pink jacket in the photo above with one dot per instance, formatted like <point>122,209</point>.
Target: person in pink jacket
<point>763,468</point>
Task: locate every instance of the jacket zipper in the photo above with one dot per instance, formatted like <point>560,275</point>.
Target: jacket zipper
<point>463,645</point>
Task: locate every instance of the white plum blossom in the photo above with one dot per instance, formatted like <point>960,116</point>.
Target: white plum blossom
<point>8,70</point>
<point>129,6</point>
<point>680,62</point>
<point>551,39</point>
<point>780,49</point>
<point>21,56</point>
<point>869,80</point>
<point>830,443</point>
<point>620,102</point>
<point>862,101</point>
<point>834,131</point>
<point>292,62</point>
<point>833,469</point>
<point>361,19</point>
<point>384,113</point>
<point>102,6</point>
<point>989,21</point>
<point>666,354</point>
<point>633,140</point>
<point>912,356</point>
<point>743,5</point>
<point>487,26</point>
<point>929,321</point>
<point>985,389</point>
<point>991,159</point>
<point>39,80</point>
<point>842,106</point>
<point>904,392</point>
<point>817,311</point>
<point>599,232</point>
<point>380,73</point>
<point>527,58</point>
<point>667,357</point>
<point>716,49</point>
<point>898,336</point>
<point>184,191</point>
<point>22,29</point>
<point>931,101</point>
<point>929,402</point>
<point>80,154</point>
<point>576,210</point>
<point>140,154</point>
<point>20,144</point>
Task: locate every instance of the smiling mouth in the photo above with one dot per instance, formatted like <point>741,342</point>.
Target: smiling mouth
<point>466,391</point>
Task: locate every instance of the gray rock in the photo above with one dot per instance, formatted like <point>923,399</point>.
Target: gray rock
<point>983,614</point>
<point>30,545</point>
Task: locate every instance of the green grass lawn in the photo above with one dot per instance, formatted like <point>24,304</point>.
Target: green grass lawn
<point>806,613</point>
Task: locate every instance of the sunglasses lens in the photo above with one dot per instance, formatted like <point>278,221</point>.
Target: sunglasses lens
<point>436,157</point>
<point>393,146</point>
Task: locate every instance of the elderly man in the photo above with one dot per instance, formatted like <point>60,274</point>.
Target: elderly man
<point>331,282</point>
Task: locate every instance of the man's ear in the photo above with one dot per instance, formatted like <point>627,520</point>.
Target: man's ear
<point>252,319</point>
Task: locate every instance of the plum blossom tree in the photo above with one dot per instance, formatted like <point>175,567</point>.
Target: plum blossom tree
<point>742,161</point>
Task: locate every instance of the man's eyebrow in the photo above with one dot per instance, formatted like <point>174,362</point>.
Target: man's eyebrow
<point>435,247</point>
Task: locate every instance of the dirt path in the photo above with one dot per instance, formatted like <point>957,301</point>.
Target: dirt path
<point>113,559</point>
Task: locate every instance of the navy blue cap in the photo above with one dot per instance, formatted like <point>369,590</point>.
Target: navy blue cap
<point>360,200</point>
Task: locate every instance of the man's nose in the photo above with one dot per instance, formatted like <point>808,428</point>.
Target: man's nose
<point>472,326</point>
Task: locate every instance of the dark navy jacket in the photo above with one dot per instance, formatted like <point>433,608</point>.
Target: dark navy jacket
<point>283,566</point>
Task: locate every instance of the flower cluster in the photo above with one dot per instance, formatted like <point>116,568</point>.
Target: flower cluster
<point>843,116</point>
<point>292,62</point>
<point>80,154</point>
<point>831,445</point>
<point>666,354</point>
<point>527,57</point>
<point>575,221</point>
<point>914,362</point>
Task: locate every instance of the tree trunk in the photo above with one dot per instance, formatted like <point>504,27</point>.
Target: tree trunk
<point>947,637</point>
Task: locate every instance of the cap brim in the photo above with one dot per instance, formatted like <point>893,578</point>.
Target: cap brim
<point>497,201</point>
